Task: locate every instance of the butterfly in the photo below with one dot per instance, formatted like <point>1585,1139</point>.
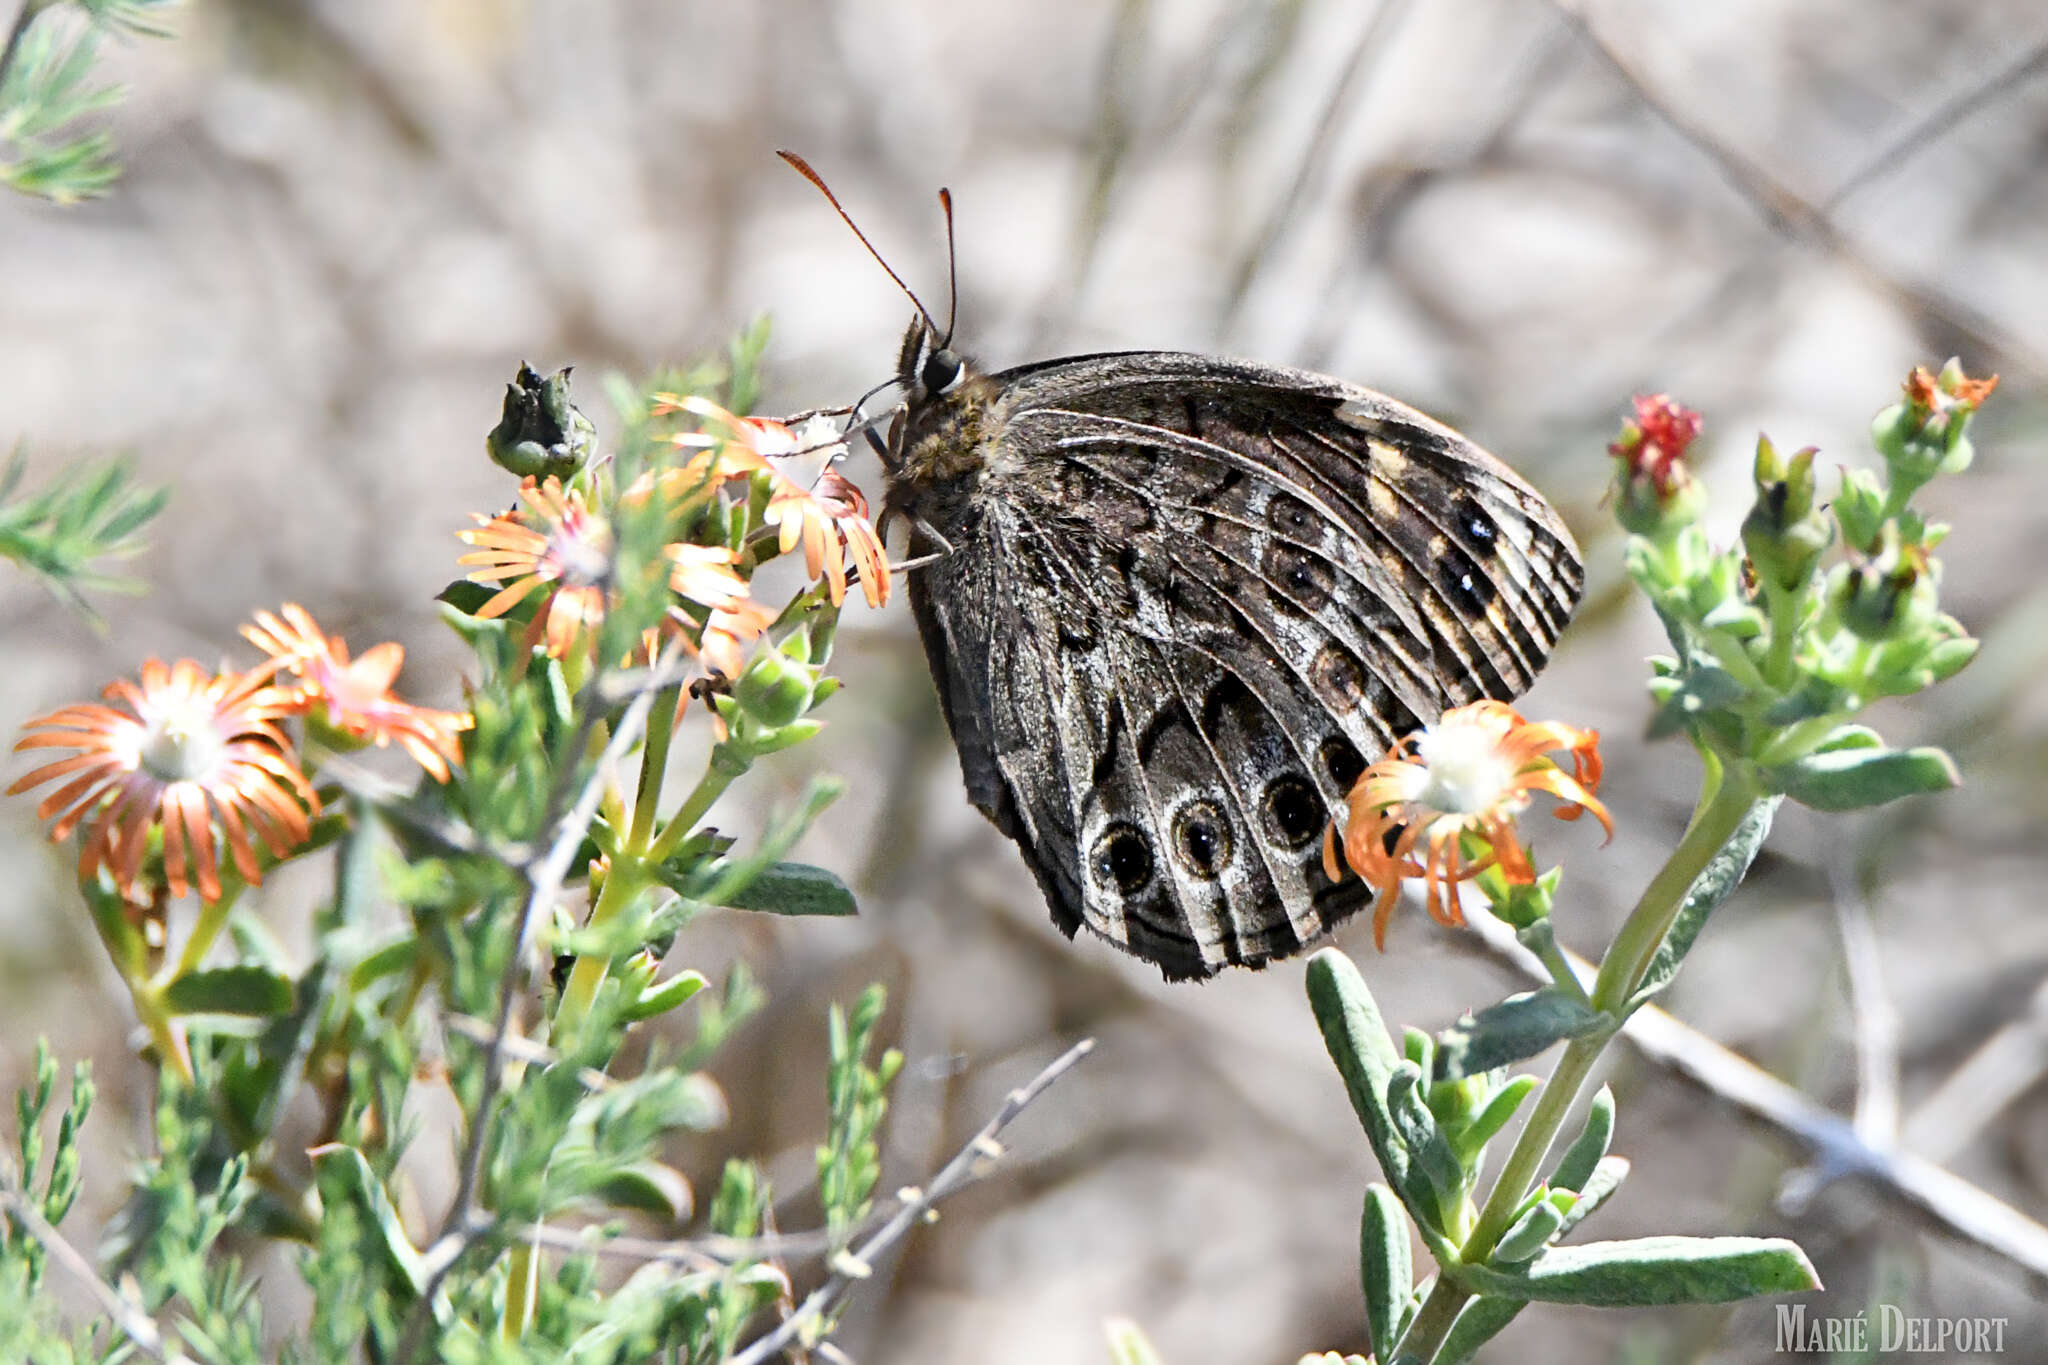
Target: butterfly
<point>1176,604</point>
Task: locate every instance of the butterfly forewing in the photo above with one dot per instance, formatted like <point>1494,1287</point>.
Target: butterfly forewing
<point>1185,600</point>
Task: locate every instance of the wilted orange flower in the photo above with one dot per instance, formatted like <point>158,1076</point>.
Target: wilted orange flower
<point>1471,773</point>
<point>201,755</point>
<point>705,574</point>
<point>726,633</point>
<point>831,518</point>
<point>827,515</point>
<point>1937,395</point>
<point>556,544</point>
<point>357,695</point>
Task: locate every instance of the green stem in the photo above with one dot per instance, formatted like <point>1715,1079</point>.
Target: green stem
<point>1786,607</point>
<point>625,881</point>
<point>1727,798</point>
<point>716,779</point>
<point>1630,955</point>
<point>522,1291</point>
<point>212,918</point>
<point>661,727</point>
<point>163,1030</point>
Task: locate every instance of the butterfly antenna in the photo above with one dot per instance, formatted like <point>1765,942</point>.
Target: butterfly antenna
<point>803,168</point>
<point>952,269</point>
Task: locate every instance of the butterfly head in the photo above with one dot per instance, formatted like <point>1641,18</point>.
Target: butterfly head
<point>927,366</point>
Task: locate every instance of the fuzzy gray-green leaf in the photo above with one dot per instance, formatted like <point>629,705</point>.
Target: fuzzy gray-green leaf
<point>1518,1027</point>
<point>1651,1272</point>
<point>1385,1269</point>
<point>1591,1144</point>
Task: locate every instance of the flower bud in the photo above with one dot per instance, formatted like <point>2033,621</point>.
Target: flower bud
<point>775,689</point>
<point>1782,533</point>
<point>1654,491</point>
<point>1887,595</point>
<point>540,432</point>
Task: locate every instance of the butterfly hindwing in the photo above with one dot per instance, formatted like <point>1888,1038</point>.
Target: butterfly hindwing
<point>1184,601</point>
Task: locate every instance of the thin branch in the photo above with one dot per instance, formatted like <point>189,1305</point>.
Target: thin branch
<point>971,1162</point>
<point>705,1252</point>
<point>1374,42</point>
<point>124,1314</point>
<point>1793,215</point>
<point>1944,1200</point>
<point>1921,134</point>
<point>2008,1064</point>
<point>544,883</point>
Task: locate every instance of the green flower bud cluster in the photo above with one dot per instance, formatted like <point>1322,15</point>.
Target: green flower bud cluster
<point>769,706</point>
<point>1927,433</point>
<point>1777,652</point>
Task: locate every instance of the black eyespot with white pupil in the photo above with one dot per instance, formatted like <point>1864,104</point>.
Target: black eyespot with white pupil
<point>941,371</point>
<point>1201,837</point>
<point>1123,860</point>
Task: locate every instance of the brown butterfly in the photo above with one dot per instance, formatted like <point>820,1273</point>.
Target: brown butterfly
<point>1177,603</point>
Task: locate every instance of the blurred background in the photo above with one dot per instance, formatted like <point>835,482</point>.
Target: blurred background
<point>344,224</point>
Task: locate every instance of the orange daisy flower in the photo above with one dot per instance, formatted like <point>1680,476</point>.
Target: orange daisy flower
<point>1472,773</point>
<point>556,545</point>
<point>197,754</point>
<point>356,696</point>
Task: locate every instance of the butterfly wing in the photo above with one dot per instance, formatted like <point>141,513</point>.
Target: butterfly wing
<point>1188,599</point>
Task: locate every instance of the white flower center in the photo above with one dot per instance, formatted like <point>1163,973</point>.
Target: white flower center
<point>181,741</point>
<point>583,550</point>
<point>1467,773</point>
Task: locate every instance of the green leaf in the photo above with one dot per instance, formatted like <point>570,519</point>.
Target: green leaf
<point>1650,1272</point>
<point>795,889</point>
<point>1584,1154</point>
<point>244,989</point>
<point>1530,1233</point>
<point>725,879</point>
<point>1385,1268</point>
<point>1716,882</point>
<point>1704,687</point>
<point>1518,1027</point>
<point>1853,779</point>
<point>1499,1108</point>
<point>664,996</point>
<point>646,1187</point>
<point>1365,1055</point>
<point>1426,1144</point>
<point>1608,1173</point>
<point>1481,1321</point>
<point>343,1174</point>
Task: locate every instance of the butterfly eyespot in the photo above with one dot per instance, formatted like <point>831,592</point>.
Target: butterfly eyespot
<point>1294,813</point>
<point>1473,525</point>
<point>1201,836</point>
<point>1123,859</point>
<point>942,370</point>
<point>1462,581</point>
<point>1338,677</point>
<point>1304,582</point>
<point>1342,761</point>
<point>1290,516</point>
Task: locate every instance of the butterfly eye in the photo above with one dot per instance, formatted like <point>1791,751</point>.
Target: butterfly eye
<point>941,371</point>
